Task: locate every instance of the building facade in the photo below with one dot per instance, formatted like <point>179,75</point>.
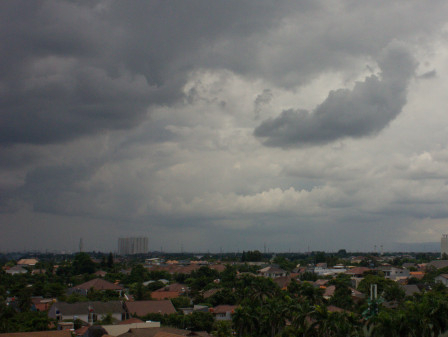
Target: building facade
<point>128,246</point>
<point>444,244</point>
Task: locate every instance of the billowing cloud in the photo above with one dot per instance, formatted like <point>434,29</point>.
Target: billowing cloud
<point>362,111</point>
<point>138,118</point>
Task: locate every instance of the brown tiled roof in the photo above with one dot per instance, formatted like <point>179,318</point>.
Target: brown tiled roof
<point>357,270</point>
<point>152,332</point>
<point>329,291</point>
<point>224,308</point>
<point>130,321</point>
<point>321,282</point>
<point>283,281</point>
<point>60,333</point>
<point>218,267</point>
<point>98,284</point>
<point>210,292</point>
<point>142,308</point>
<point>161,295</point>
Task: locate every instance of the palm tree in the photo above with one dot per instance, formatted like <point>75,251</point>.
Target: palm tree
<point>299,316</point>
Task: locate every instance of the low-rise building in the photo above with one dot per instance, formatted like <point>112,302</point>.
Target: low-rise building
<point>442,278</point>
<point>272,271</point>
<point>97,284</point>
<point>143,308</point>
<point>223,312</point>
<point>89,312</point>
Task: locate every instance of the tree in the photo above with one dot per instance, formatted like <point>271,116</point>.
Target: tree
<point>107,319</point>
<point>393,292</point>
<point>110,261</point>
<point>201,321</point>
<point>83,264</point>
<point>222,329</point>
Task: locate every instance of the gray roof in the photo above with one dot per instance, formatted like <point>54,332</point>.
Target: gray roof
<point>143,308</point>
<point>82,308</point>
<point>438,264</point>
<point>411,289</point>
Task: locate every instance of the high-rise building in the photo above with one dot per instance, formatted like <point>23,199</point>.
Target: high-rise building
<point>444,244</point>
<point>128,246</point>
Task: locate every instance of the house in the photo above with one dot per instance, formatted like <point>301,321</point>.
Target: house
<point>27,262</point>
<point>163,332</point>
<point>89,312</point>
<point>394,273</point>
<point>196,308</point>
<point>223,312</point>
<point>170,291</point>
<point>329,292</point>
<point>272,271</point>
<point>60,333</point>
<point>324,271</point>
<point>437,264</point>
<point>115,330</point>
<point>209,293</point>
<point>417,274</point>
<point>321,283</point>
<point>409,265</point>
<point>442,278</point>
<point>143,308</point>
<point>357,271</point>
<point>283,281</point>
<point>131,320</point>
<point>16,270</point>
<point>97,284</point>
<point>41,304</point>
<point>164,295</point>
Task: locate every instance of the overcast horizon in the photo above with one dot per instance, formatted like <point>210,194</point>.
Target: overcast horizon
<point>223,124</point>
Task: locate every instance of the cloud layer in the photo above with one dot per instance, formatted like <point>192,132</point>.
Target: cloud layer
<point>207,124</point>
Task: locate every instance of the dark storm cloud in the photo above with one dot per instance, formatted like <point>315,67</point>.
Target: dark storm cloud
<point>69,69</point>
<point>363,111</point>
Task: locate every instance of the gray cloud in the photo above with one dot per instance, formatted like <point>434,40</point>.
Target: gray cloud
<point>362,111</point>
<point>137,118</point>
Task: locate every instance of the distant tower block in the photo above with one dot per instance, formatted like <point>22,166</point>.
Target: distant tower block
<point>81,245</point>
<point>444,244</point>
<point>129,246</point>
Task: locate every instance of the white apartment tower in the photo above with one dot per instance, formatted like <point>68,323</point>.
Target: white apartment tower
<point>444,244</point>
<point>128,246</point>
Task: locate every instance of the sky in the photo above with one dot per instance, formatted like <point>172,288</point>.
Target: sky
<point>223,125</point>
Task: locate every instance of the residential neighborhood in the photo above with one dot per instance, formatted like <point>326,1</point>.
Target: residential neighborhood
<point>211,295</point>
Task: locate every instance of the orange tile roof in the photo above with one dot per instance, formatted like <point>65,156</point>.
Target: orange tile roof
<point>161,295</point>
